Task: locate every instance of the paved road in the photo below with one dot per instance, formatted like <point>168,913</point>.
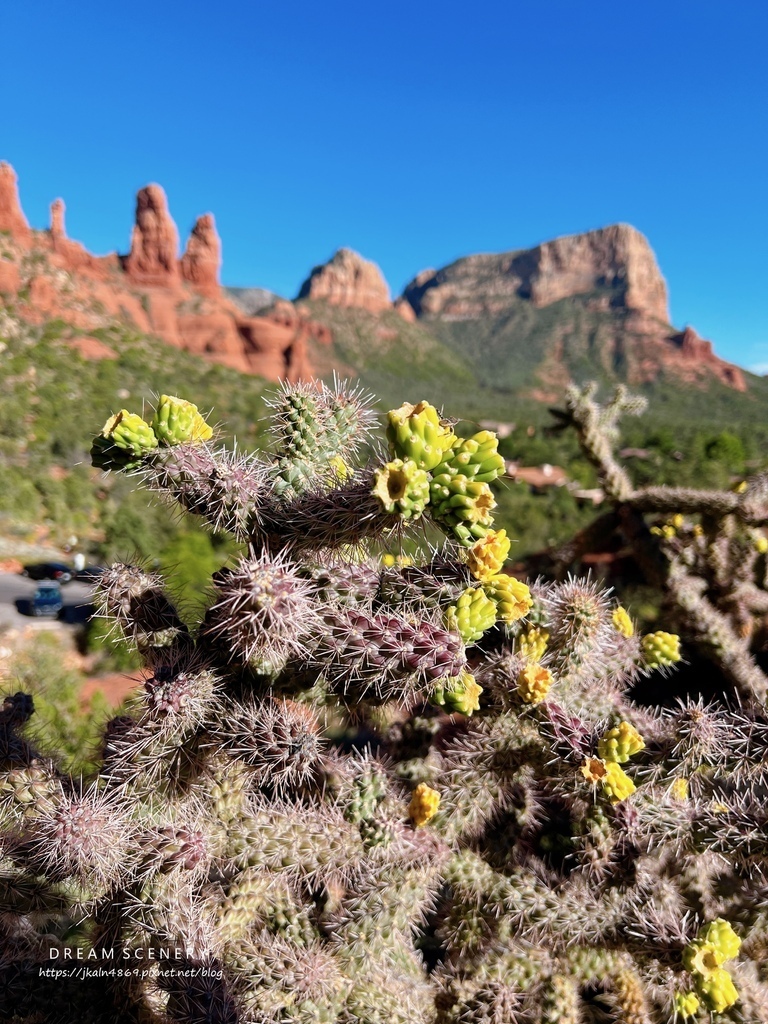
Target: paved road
<point>19,590</point>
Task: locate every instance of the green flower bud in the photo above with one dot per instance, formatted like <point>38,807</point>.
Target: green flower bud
<point>128,431</point>
<point>512,598</point>
<point>686,1004</point>
<point>475,457</point>
<point>457,694</point>
<point>177,421</point>
<point>721,935</point>
<point>620,743</point>
<point>660,649</point>
<point>415,432</point>
<point>472,615</point>
<point>717,990</point>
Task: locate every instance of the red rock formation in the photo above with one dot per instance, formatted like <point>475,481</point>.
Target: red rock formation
<point>153,258</point>
<point>12,218</point>
<point>348,280</point>
<point>72,256</point>
<point>616,260</point>
<point>202,257</point>
<point>57,229</point>
<point>697,352</point>
<point>404,309</point>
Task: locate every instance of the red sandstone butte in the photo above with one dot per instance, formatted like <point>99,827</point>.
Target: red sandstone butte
<point>179,300</point>
<point>12,218</point>
<point>202,257</point>
<point>153,258</point>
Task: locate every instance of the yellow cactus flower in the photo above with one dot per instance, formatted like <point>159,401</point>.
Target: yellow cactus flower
<point>622,623</point>
<point>702,958</point>
<point>533,683</point>
<point>424,804</point>
<point>487,556</point>
<point>532,643</point>
<point>594,769</point>
<point>617,784</point>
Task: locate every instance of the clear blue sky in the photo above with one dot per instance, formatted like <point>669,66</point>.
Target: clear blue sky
<point>414,133</point>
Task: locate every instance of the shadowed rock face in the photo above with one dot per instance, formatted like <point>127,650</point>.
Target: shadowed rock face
<point>616,259</point>
<point>348,280</point>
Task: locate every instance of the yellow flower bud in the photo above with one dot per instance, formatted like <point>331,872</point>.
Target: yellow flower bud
<point>617,784</point>
<point>487,556</point>
<point>424,804</point>
<point>622,622</point>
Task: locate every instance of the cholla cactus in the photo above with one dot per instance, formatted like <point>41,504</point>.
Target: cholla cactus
<point>366,789</point>
<point>705,550</point>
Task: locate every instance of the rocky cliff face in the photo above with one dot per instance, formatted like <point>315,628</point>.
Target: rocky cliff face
<point>616,261</point>
<point>348,280</point>
<point>179,300</point>
<point>618,317</point>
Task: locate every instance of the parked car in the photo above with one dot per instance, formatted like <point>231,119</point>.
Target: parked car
<point>49,571</point>
<point>47,600</point>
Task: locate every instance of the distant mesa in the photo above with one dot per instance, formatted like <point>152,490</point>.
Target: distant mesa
<point>616,260</point>
<point>348,280</point>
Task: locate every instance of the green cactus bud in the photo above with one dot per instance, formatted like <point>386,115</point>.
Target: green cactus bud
<point>462,506</point>
<point>415,432</point>
<point>472,615</point>
<point>402,488</point>
<point>128,431</point>
<point>620,743</point>
<point>458,694</point>
<point>722,936</point>
<point>106,455</point>
<point>717,990</point>
<point>177,421</point>
<point>476,457</point>
<point>660,649</point>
